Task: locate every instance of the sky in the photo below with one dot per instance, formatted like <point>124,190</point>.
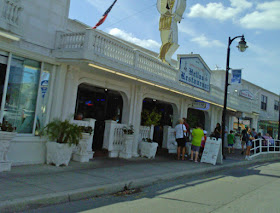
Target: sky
<point>205,29</point>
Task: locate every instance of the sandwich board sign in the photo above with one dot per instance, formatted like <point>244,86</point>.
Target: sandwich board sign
<point>212,151</point>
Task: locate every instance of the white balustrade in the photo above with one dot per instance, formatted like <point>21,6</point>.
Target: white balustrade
<point>93,43</point>
<point>72,40</point>
<point>114,50</point>
<point>156,67</point>
<point>11,11</point>
<point>146,132</point>
<point>169,140</point>
<point>113,138</point>
<point>265,146</point>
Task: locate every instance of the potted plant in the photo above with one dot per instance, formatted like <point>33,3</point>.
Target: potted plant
<point>148,148</point>
<point>84,151</point>
<point>128,142</point>
<point>7,133</point>
<point>150,118</point>
<point>62,136</point>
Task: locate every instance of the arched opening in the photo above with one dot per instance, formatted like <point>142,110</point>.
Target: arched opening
<point>101,104</point>
<point>194,117</point>
<point>165,112</point>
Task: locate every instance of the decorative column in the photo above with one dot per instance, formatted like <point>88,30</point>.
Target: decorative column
<point>70,92</point>
<point>58,92</point>
<point>136,108</point>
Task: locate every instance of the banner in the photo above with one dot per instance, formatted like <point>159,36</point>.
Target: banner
<point>235,77</point>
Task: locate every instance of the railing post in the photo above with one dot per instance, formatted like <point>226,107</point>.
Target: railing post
<point>89,37</point>
<point>152,127</point>
<point>58,40</point>
<point>255,148</point>
<point>136,58</point>
<point>268,145</point>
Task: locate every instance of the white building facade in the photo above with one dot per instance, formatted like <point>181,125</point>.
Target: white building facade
<point>54,67</point>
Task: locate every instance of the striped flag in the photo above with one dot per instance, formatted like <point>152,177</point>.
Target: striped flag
<point>104,15</point>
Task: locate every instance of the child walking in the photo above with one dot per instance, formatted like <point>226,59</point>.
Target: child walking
<point>230,139</point>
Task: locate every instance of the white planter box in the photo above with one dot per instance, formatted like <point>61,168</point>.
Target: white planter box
<point>58,154</point>
<point>148,149</point>
<point>83,152</point>
<point>5,140</point>
<point>126,152</point>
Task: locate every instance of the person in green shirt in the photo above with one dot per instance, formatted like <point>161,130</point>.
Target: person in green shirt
<point>197,135</point>
<point>230,139</point>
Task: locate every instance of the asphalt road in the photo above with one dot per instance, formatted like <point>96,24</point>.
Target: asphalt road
<point>253,189</point>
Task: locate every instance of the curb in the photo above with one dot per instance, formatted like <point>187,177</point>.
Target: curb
<point>84,193</point>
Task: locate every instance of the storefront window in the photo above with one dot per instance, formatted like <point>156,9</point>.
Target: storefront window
<point>44,91</point>
<point>3,68</point>
<point>21,95</point>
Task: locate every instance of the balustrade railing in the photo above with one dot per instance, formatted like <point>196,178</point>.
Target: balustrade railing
<point>265,146</point>
<point>141,64</point>
<point>113,138</point>
<point>146,132</point>
<point>169,140</point>
<point>11,11</point>
<point>72,40</point>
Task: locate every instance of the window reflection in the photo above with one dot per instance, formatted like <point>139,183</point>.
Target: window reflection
<point>22,92</point>
<point>44,91</point>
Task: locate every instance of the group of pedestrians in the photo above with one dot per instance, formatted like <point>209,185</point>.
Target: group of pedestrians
<point>182,134</point>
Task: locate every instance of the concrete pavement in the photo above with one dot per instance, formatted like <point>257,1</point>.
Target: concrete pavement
<point>40,185</point>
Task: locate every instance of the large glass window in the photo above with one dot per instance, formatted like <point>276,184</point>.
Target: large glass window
<point>263,102</point>
<point>21,95</point>
<point>44,92</point>
<point>3,68</point>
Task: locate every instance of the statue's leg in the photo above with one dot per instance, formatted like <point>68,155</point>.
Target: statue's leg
<point>165,37</point>
<point>173,40</point>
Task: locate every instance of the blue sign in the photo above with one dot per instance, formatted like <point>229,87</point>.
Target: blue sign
<point>44,87</point>
<point>235,76</point>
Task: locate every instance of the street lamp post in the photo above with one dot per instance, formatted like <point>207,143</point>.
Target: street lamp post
<point>279,118</point>
<point>242,47</point>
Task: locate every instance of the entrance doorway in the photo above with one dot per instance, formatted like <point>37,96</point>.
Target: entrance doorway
<point>195,116</point>
<point>101,104</point>
<point>165,112</point>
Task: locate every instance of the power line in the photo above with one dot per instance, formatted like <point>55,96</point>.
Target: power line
<point>145,9</point>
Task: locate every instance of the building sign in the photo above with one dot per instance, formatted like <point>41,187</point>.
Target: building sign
<point>194,72</point>
<point>246,94</point>
<point>235,77</point>
<point>200,105</point>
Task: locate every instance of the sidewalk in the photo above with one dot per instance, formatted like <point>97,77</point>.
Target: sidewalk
<point>37,185</point>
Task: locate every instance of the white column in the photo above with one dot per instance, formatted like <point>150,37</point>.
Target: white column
<point>70,93</point>
<point>136,109</point>
<point>58,92</point>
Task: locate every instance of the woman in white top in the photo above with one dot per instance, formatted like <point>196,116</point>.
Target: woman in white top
<point>180,132</point>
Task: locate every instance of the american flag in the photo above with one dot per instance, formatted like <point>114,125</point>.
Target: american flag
<point>104,15</point>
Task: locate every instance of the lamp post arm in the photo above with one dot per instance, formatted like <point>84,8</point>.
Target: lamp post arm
<point>231,40</point>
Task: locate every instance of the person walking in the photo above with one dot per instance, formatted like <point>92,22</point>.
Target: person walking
<point>180,133</point>
<point>249,144</point>
<point>197,135</point>
<point>230,140</point>
<point>244,138</point>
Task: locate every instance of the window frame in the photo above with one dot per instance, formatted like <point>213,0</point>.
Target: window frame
<point>52,73</point>
<point>276,105</point>
<point>264,100</point>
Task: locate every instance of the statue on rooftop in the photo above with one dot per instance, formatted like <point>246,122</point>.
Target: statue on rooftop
<point>171,12</point>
